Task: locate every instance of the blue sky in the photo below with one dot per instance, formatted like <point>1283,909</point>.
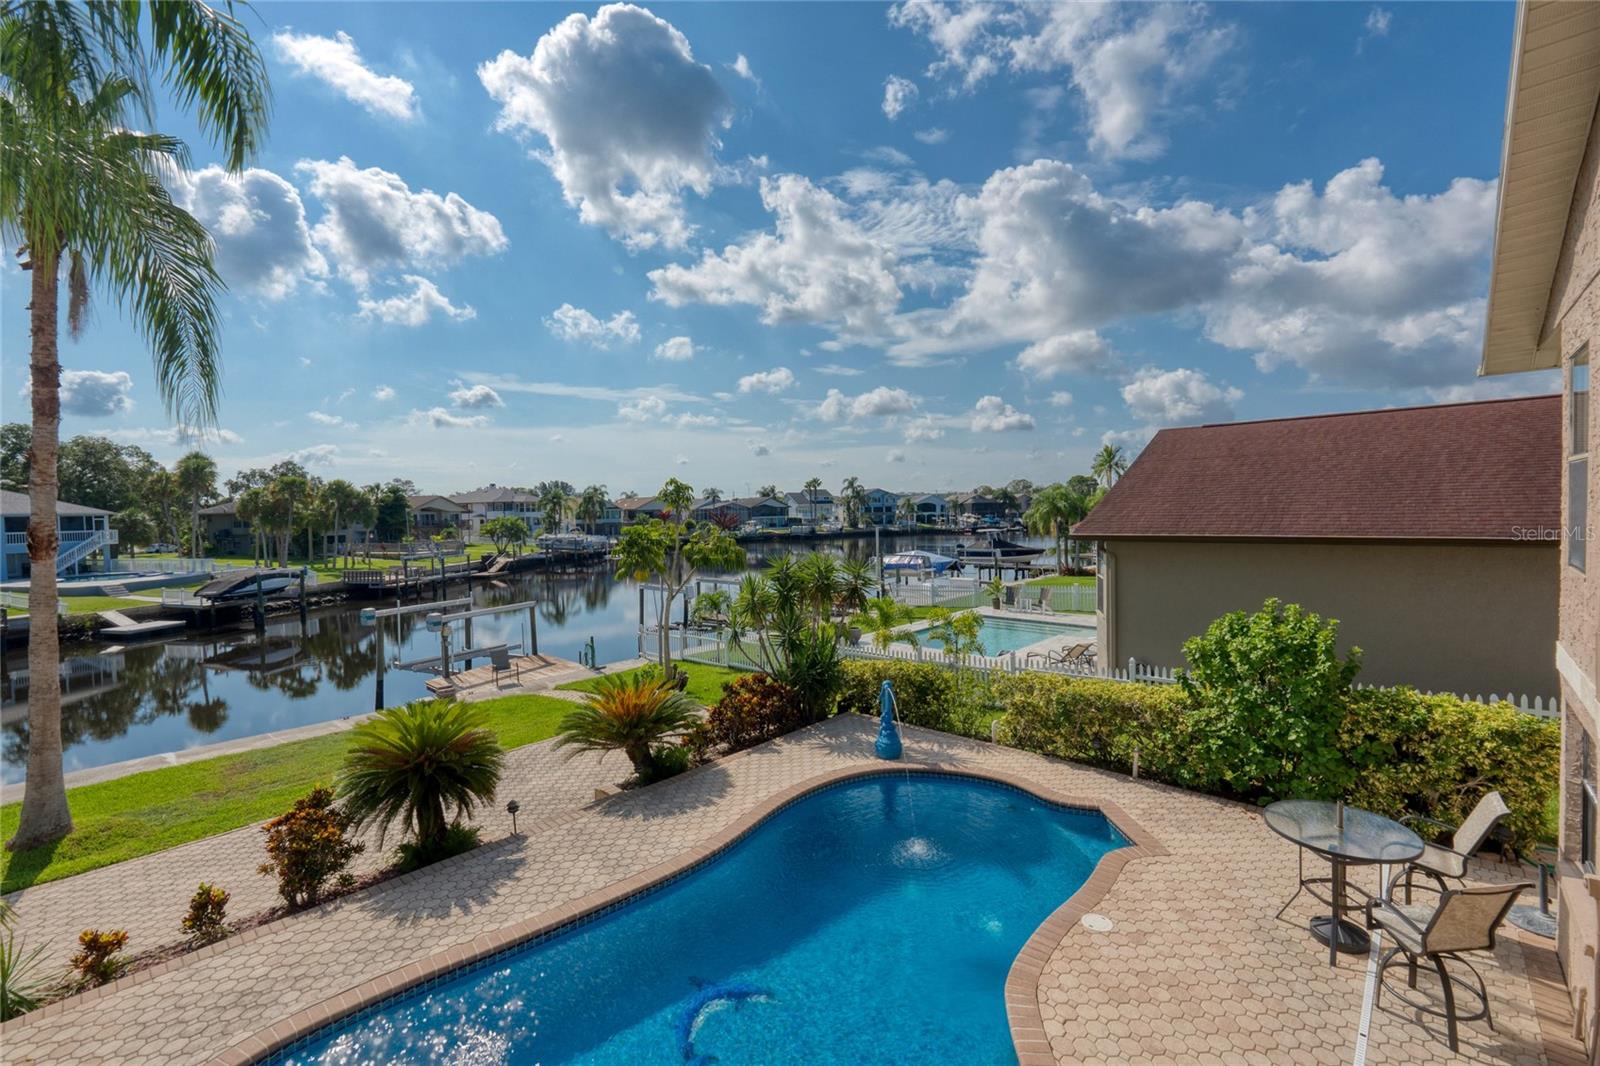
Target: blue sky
<point>927,245</point>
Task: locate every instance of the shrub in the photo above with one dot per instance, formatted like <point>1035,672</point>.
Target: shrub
<point>99,957</point>
<point>668,760</point>
<point>24,985</point>
<point>962,702</point>
<point>753,708</point>
<point>634,714</point>
<point>457,840</point>
<point>207,911</point>
<point>308,846</point>
<point>1269,692</point>
<point>425,765</point>
<point>1095,721</point>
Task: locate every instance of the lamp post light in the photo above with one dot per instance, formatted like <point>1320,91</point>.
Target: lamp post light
<point>512,808</point>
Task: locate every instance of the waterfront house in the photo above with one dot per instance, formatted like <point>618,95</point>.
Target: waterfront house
<point>434,514</point>
<point>1417,528</point>
<point>933,509</point>
<point>228,534</point>
<point>979,505</point>
<point>495,501</point>
<point>638,508</point>
<point>765,512</point>
<point>881,505</point>
<point>1544,314</point>
<point>85,533</point>
<point>809,509</point>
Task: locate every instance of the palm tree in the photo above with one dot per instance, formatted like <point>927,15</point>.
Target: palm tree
<point>855,500</point>
<point>711,495</point>
<point>1052,513</point>
<point>251,510</point>
<point>552,507</point>
<point>345,501</point>
<point>767,490</point>
<point>284,494</point>
<point>197,481</point>
<point>906,508</point>
<point>161,494</point>
<point>423,765</point>
<point>1109,464</point>
<point>882,617</point>
<point>813,487</point>
<point>630,713</point>
<point>819,583</point>
<point>591,506</point>
<point>82,191</point>
<point>857,579</point>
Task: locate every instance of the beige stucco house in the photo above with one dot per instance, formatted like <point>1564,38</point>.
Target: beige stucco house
<point>1425,531</point>
<point>1544,313</point>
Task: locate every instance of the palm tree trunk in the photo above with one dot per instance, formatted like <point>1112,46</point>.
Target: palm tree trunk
<point>45,815</point>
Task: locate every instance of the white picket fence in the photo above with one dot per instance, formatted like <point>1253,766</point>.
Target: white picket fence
<point>1542,706</point>
<point>961,593</point>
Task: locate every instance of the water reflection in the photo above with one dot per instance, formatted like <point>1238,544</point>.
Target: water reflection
<point>126,702</point>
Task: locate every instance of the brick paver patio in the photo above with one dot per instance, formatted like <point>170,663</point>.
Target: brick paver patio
<point>1193,968</point>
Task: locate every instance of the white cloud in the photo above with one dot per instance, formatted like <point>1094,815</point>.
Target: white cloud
<point>575,324</point>
<point>993,415</point>
<point>413,308</point>
<point>1079,352</point>
<point>818,267</point>
<point>741,67</point>
<point>557,438</point>
<point>1178,397</point>
<point>383,392</point>
<point>1377,24</point>
<point>372,220</point>
<point>834,370</point>
<point>181,434</point>
<point>921,429</point>
<point>932,135</point>
<point>1061,398</point>
<point>315,455</point>
<point>95,393</point>
<point>323,418</point>
<point>758,450</point>
<point>675,349</point>
<point>470,396</point>
<point>304,361</point>
<point>769,381</point>
<point>258,223</point>
<point>336,61</point>
<point>880,402</point>
<point>444,418</point>
<point>896,455</point>
<point>644,409</point>
<point>898,94</point>
<point>629,116</point>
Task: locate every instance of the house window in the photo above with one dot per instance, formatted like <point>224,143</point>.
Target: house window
<point>1586,801</point>
<point>1578,464</point>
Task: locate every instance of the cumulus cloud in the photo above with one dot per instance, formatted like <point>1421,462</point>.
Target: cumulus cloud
<point>95,393</point>
<point>758,449</point>
<point>629,118</point>
<point>932,135</point>
<point>413,308</point>
<point>182,434</point>
<point>769,381</point>
<point>675,349</point>
<point>258,223</point>
<point>575,324</point>
<point>835,370</point>
<point>898,94</point>
<point>1078,352</point>
<point>1061,398</point>
<point>383,392</point>
<point>336,61</point>
<point>444,418</point>
<point>373,220</point>
<point>325,419</point>
<point>1178,397</point>
<point>315,455</point>
<point>741,67</point>
<point>644,409</point>
<point>921,429</point>
<point>818,267</point>
<point>469,396</point>
<point>1377,24</point>
<point>880,402</point>
<point>993,415</point>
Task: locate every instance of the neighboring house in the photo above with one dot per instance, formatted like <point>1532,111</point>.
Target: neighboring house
<point>975,503</point>
<point>221,526</point>
<point>610,524</point>
<point>880,509</point>
<point>1544,314</point>
<point>638,508</point>
<point>85,532</point>
<point>480,505</point>
<point>806,509</point>
<point>766,512</point>
<point>1414,527</point>
<point>932,508</point>
<point>434,514</point>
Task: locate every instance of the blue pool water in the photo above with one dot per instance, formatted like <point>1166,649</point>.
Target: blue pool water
<point>1002,635</point>
<point>871,922</point>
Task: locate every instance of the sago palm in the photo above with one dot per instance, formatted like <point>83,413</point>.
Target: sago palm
<point>423,765</point>
<point>81,193</point>
<point>630,713</point>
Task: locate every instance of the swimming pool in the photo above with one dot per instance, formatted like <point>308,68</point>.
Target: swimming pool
<point>873,921</point>
<point>1002,635</point>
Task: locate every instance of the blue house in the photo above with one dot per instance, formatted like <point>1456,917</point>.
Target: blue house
<point>84,532</point>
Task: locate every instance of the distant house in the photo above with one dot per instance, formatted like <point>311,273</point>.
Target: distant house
<point>638,508</point>
<point>229,534</point>
<point>808,509</point>
<point>767,512</point>
<point>932,508</point>
<point>881,507</point>
<point>1417,528</point>
<point>495,501</point>
<point>434,514</point>
<point>976,503</point>
<point>84,532</point>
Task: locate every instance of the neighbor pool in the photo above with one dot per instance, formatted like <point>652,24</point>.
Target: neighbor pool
<point>872,921</point>
<point>1002,635</point>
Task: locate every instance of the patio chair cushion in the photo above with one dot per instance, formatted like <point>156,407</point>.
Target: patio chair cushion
<point>1441,860</point>
<point>1406,922</point>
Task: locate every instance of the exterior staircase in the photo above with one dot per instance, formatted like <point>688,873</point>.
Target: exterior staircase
<point>77,545</point>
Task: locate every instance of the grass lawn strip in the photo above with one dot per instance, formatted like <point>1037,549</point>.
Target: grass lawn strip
<point>705,682</point>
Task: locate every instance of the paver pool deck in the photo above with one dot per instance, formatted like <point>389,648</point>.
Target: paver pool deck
<point>1194,967</point>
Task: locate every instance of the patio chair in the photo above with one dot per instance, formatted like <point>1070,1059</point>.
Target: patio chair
<point>1042,602</point>
<point>500,663</point>
<point>1438,861</point>
<point>1465,919</point>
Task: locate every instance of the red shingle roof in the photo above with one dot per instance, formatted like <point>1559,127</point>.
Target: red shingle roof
<point>1470,471</point>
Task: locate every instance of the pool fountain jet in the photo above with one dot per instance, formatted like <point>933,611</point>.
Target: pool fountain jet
<point>888,744</point>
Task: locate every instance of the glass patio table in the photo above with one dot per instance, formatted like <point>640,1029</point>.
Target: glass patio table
<point>1346,837</point>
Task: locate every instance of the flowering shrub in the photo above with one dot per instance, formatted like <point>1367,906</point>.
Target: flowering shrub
<point>753,708</point>
<point>308,846</point>
<point>207,910</point>
<point>99,956</point>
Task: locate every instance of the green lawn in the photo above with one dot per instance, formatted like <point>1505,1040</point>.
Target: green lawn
<point>705,682</point>
<point>159,809</point>
<point>1059,579</point>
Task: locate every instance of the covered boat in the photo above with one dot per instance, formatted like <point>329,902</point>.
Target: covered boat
<point>247,585</point>
<point>922,561</point>
<point>996,549</point>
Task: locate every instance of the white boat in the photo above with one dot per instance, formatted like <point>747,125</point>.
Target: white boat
<point>918,560</point>
<point>247,585</point>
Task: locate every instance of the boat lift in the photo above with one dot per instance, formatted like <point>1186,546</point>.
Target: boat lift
<point>439,622</point>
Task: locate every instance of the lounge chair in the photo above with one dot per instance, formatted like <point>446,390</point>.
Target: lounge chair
<point>1465,919</point>
<point>1438,861</point>
<point>1069,655</point>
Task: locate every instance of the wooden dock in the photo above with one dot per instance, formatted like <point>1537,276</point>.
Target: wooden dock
<point>527,672</point>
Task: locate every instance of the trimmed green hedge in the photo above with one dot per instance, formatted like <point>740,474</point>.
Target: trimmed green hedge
<point>1398,751</point>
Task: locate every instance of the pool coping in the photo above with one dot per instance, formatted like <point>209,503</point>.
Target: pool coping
<point>1022,980</point>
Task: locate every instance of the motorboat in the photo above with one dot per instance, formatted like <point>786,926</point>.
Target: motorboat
<point>997,549</point>
<point>248,585</point>
<point>918,560</point>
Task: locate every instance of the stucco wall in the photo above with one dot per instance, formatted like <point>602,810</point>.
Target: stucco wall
<point>1474,619</point>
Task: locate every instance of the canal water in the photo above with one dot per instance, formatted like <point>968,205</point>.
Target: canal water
<point>126,702</point>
